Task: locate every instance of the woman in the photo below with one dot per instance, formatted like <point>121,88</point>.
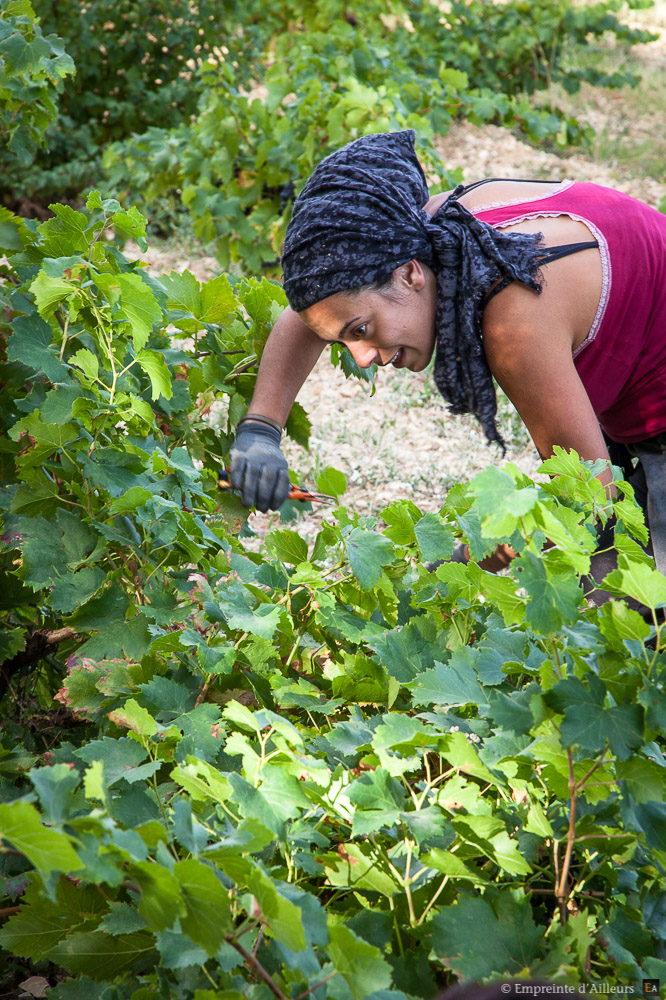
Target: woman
<point>558,290</point>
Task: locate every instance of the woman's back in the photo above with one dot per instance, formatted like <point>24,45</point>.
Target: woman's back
<point>622,360</point>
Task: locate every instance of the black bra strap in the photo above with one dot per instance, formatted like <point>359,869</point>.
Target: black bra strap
<point>554,253</point>
<point>499,287</point>
<point>549,255</point>
<point>489,180</point>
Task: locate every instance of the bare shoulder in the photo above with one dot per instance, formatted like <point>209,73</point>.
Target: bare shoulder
<point>436,202</point>
<point>501,192</point>
<point>528,340</point>
<point>518,320</point>
<point>492,192</point>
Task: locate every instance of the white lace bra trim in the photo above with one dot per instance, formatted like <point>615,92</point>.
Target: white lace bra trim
<point>606,271</point>
<point>561,186</point>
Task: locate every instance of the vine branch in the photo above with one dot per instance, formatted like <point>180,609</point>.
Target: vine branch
<point>561,891</point>
<point>253,963</point>
<point>38,645</point>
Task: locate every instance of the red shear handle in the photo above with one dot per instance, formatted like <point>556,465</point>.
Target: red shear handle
<point>295,492</point>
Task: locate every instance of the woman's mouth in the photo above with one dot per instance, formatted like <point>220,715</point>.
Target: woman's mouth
<point>396,360</point>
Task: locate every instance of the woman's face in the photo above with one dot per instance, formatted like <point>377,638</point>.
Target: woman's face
<point>395,326</point>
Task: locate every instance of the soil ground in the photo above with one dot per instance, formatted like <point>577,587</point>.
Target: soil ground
<point>402,442</point>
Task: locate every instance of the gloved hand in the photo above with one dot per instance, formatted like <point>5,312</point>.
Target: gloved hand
<point>460,554</point>
<point>258,467</point>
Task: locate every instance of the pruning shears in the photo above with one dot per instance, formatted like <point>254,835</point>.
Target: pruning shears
<point>295,492</point>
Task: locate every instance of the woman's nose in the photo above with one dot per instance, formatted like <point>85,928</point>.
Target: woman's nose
<point>364,354</point>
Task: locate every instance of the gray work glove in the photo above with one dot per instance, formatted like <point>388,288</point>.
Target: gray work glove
<point>460,555</point>
<point>258,467</point>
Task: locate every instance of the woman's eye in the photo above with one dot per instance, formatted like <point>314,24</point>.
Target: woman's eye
<point>360,331</point>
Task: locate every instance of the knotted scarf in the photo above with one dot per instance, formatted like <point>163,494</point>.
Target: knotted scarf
<point>361,215</point>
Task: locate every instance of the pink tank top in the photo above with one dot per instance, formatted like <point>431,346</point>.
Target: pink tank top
<point>622,362</point>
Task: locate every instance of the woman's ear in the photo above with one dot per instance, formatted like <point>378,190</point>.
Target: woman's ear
<point>410,276</point>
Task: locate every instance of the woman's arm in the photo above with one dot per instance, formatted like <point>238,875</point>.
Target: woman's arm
<point>290,354</point>
<point>258,467</point>
<point>528,342</point>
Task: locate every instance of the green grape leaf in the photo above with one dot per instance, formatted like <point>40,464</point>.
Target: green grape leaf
<point>123,919</point>
<point>279,798</point>
<point>65,234</point>
<point>477,939</point>
<point>284,918</point>
<point>362,965</point>
<point>378,798</point>
<point>35,930</point>
<point>347,625</point>
<point>236,606</point>
<point>452,684</point>
<point>589,724</point>
<point>87,362</point>
<point>452,865</point>
<point>178,951</point>
<point>103,956</point>
<point>29,344</point>
<point>202,781</point>
<point>645,780</point>
<point>48,850</point>
<point>48,292</point>
<point>512,712</point>
<point>554,599</point>
<point>435,539</point>
<point>355,866</point>
<point>155,368</point>
<point>55,786</point>
<point>406,651</point>
<point>71,591</point>
<point>217,302</point>
<point>119,757</point>
<point>298,425</point>
<point>128,221</point>
<point>617,621</point>
<point>135,497</point>
<point>499,502</point>
<point>368,552</point>
<point>288,546</point>
<point>637,580</point>
<point>161,901</point>
<point>11,229</point>
<point>332,482</point>
<point>207,907</point>
<point>499,646</point>
<point>400,517</point>
<point>461,754</point>
<point>135,717</point>
<point>57,407</point>
<point>137,304</point>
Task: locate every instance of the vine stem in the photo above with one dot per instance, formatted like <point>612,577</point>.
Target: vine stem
<point>561,891</point>
<point>575,787</point>
<point>396,927</point>
<point>253,963</point>
<point>65,329</point>
<point>408,886</point>
<point>437,894</point>
<point>316,986</point>
<point>202,694</point>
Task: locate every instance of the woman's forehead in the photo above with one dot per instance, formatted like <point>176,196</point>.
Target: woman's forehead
<point>342,305</point>
<point>334,316</point>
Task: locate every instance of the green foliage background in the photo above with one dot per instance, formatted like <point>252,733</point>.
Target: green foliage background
<point>322,769</point>
<point>219,110</point>
<point>321,764</point>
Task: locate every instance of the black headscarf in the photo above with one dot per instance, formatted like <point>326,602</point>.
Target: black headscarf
<point>361,215</point>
